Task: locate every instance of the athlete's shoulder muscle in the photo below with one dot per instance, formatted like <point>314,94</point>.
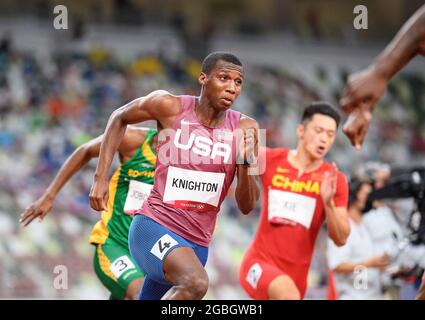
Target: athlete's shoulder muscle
<point>132,140</point>
<point>158,105</point>
<point>162,105</point>
<point>341,179</point>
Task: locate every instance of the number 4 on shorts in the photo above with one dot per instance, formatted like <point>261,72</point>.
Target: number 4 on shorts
<point>163,245</point>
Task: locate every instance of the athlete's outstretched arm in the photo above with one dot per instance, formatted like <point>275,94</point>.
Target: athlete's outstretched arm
<point>247,190</point>
<point>366,87</point>
<point>379,262</point>
<point>78,159</point>
<point>337,217</point>
<point>158,105</point>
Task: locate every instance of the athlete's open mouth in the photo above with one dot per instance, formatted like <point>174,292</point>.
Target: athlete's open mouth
<point>321,149</point>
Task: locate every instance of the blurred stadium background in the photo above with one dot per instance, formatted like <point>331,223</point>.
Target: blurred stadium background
<point>58,88</point>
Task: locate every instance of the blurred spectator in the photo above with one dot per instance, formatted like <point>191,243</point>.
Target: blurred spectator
<point>6,43</point>
<point>383,225</point>
<point>51,105</point>
<point>356,266</point>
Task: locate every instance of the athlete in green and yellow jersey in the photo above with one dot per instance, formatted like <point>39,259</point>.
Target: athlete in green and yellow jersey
<point>128,187</point>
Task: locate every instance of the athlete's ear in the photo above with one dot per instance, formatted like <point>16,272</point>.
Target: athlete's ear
<point>300,130</point>
<point>202,79</point>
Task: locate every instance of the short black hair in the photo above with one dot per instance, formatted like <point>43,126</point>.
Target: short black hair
<point>321,107</point>
<point>211,60</point>
<point>355,186</point>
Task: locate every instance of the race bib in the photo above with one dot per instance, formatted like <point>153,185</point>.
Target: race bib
<point>137,194</point>
<point>121,265</point>
<point>193,190</point>
<point>163,245</point>
<point>254,275</point>
<point>289,207</point>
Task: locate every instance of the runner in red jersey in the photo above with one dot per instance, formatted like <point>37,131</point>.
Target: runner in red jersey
<point>300,190</point>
